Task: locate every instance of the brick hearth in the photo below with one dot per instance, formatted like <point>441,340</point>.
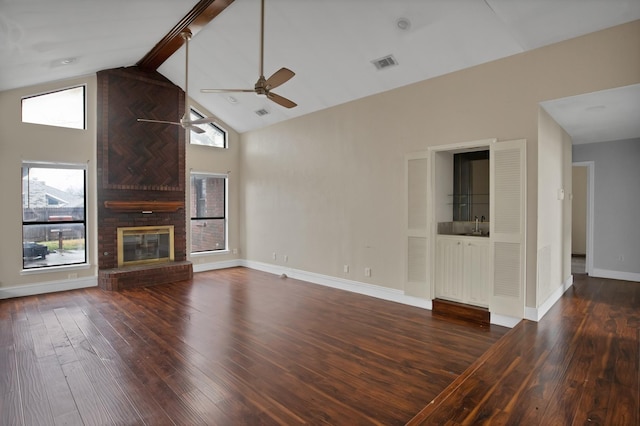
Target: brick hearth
<point>144,275</point>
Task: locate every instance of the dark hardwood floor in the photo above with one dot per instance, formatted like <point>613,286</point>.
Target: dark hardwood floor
<point>579,365</point>
<point>230,347</point>
<point>243,347</point>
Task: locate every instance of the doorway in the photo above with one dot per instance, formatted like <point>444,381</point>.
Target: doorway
<point>582,218</point>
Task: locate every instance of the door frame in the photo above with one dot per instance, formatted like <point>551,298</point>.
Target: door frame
<point>590,165</point>
<point>434,196</point>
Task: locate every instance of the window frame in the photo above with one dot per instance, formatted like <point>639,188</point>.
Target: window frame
<point>225,249</point>
<point>193,110</point>
<point>60,166</point>
<point>50,92</point>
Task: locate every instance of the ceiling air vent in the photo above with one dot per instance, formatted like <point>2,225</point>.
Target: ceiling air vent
<point>385,62</point>
<point>262,112</point>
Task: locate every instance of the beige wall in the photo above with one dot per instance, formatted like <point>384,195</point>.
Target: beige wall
<point>204,159</point>
<point>33,142</point>
<point>326,189</point>
<point>579,210</point>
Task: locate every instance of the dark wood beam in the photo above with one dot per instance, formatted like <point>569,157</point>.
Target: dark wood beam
<point>201,14</point>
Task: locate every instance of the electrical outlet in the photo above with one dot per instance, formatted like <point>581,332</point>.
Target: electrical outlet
<point>274,256</point>
<point>73,276</point>
<point>367,272</point>
<point>346,269</point>
<point>285,258</point>
<point>235,251</point>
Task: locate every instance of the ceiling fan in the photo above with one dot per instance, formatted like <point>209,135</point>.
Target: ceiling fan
<point>184,121</point>
<point>264,85</point>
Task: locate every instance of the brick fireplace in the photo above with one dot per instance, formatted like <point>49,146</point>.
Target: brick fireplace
<point>141,174</point>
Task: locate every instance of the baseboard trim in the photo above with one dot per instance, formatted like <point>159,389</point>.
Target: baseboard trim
<point>615,275</point>
<point>384,293</point>
<point>372,290</point>
<point>536,314</point>
<point>211,266</point>
<point>504,320</point>
<point>47,287</point>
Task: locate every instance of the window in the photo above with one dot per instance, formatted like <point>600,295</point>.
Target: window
<point>63,108</point>
<point>53,215</point>
<point>213,135</point>
<point>208,212</point>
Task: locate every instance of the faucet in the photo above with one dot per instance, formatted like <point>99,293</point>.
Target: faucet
<point>477,228</point>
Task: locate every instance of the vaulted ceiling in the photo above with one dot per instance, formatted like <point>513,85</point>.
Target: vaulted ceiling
<point>329,44</point>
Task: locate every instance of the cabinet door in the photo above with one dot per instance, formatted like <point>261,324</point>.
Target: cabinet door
<point>449,269</point>
<point>508,227</point>
<point>477,272</point>
<point>417,275</point>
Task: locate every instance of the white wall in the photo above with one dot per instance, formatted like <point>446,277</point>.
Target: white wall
<point>326,189</point>
<point>616,224</point>
<point>554,207</point>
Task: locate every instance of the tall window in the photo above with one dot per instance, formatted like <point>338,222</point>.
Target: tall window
<point>53,215</point>
<point>213,135</point>
<point>208,212</point>
<point>63,108</point>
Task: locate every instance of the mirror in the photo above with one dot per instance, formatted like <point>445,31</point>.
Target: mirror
<point>471,186</point>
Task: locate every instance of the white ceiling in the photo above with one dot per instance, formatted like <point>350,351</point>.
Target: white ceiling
<point>328,43</point>
<point>609,115</point>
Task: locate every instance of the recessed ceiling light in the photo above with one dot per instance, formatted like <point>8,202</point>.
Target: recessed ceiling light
<point>403,24</point>
<point>67,61</point>
<point>232,100</point>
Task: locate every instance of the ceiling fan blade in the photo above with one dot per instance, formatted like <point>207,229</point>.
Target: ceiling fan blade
<point>159,121</point>
<point>226,90</point>
<point>279,77</point>
<point>194,128</point>
<point>281,100</point>
<point>184,122</point>
<point>204,120</point>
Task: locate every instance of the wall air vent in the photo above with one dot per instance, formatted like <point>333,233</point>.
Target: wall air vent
<point>385,62</point>
<point>262,112</point>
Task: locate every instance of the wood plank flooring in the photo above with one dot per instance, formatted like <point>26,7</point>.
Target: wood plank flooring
<point>579,365</point>
<point>230,347</point>
<point>243,347</point>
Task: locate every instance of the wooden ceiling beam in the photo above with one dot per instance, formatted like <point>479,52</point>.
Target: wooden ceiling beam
<point>201,14</point>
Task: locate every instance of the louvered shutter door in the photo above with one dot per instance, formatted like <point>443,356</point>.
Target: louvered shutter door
<point>417,281</point>
<point>508,227</point>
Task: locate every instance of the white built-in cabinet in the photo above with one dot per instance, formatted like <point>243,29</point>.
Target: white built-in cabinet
<point>493,269</point>
<point>463,269</point>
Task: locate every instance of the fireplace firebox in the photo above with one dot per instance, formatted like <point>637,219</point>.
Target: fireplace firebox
<point>145,245</point>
